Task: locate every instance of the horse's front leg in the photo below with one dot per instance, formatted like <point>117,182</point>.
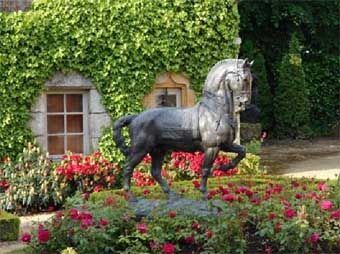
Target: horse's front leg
<point>234,148</point>
<point>209,157</point>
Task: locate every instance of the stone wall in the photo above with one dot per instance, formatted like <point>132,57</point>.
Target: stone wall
<point>97,119</point>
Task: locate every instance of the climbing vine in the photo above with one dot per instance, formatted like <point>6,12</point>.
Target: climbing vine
<point>120,45</point>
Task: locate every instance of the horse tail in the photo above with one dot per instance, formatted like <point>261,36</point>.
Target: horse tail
<point>117,133</point>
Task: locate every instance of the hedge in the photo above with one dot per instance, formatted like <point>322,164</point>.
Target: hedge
<point>9,226</point>
<point>119,45</point>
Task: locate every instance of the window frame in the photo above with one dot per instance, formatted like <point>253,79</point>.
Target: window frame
<point>170,91</point>
<point>85,114</point>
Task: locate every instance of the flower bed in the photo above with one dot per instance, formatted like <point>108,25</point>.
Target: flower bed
<point>256,215</point>
<point>34,183</point>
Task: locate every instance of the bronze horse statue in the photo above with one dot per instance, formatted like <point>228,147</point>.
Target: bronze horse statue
<point>209,126</point>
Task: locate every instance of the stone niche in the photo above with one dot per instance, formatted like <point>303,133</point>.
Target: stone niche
<point>95,121</point>
<point>171,81</point>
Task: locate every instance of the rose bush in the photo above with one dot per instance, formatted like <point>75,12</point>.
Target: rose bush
<point>252,215</point>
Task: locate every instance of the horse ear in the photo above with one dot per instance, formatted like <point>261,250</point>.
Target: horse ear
<point>251,63</point>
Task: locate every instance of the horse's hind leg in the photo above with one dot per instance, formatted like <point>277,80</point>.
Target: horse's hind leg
<point>209,157</point>
<point>156,172</point>
<point>241,153</point>
<point>132,161</point>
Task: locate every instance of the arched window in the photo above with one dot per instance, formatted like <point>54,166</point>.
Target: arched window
<point>170,90</point>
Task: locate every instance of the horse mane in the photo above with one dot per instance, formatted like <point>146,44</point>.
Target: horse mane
<point>217,73</point>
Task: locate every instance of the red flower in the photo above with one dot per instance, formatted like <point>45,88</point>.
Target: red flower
<point>43,235</point>
<point>295,184</point>
<point>196,184</point>
<point>315,237</point>
<point>229,198</point>
<point>289,213</point>
<point>97,188</point>
<point>85,223</point>
<point>142,228</point>
<point>85,195</point>
<point>255,201</point>
<point>326,204</point>
<point>239,199</point>
<point>103,222</point>
<point>231,185</point>
<point>195,225</point>
<point>154,245</point>
<point>73,213</point>
<point>271,216</point>
<point>59,214</point>
<point>168,248</point>
<point>209,234</point>
<point>249,193</point>
<point>322,187</point>
<point>336,214</point>
<point>298,196</point>
<point>189,239</point>
<point>268,250</point>
<point>183,190</point>
<point>278,227</point>
<point>172,214</point>
<point>109,201</point>
<point>71,232</point>
<point>223,190</point>
<point>146,192</point>
<point>26,237</point>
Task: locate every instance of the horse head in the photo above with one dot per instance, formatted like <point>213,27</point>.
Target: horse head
<point>233,75</point>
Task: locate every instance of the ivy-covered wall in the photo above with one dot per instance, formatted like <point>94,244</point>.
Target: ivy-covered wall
<point>120,45</point>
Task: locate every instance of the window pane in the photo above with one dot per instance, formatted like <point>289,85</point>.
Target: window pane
<point>75,143</point>
<point>55,124</point>
<point>167,100</point>
<point>55,103</point>
<point>75,123</point>
<point>74,102</point>
<point>56,145</point>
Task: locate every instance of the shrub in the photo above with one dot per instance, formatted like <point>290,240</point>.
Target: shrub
<point>9,226</point>
<point>33,183</point>
<point>29,182</point>
<point>255,215</point>
<point>186,166</point>
<point>291,103</point>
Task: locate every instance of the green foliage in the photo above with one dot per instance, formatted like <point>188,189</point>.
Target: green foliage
<point>322,77</point>
<point>269,25</point>
<point>252,217</point>
<point>9,226</point>
<point>291,103</point>
<point>265,97</point>
<point>119,45</point>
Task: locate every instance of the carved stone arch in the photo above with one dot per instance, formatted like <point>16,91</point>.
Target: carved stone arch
<point>171,81</point>
<point>95,118</point>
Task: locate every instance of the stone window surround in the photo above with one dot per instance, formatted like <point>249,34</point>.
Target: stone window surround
<point>170,80</point>
<point>98,119</point>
